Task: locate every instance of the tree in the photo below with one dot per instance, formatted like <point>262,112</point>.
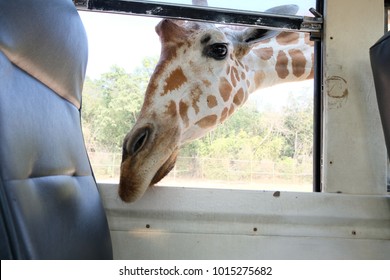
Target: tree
<point>112,103</point>
<point>298,127</point>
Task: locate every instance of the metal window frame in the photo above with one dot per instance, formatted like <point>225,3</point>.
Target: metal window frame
<point>312,25</point>
<point>206,14</point>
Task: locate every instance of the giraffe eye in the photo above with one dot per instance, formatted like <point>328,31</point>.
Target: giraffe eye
<point>217,51</point>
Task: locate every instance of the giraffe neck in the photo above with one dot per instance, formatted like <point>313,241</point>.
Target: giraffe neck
<point>285,58</point>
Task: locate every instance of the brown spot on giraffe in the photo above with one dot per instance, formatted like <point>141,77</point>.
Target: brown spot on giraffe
<point>171,109</point>
<point>236,74</point>
<point>174,81</point>
<point>227,70</point>
<point>264,41</point>
<point>243,76</point>
<point>183,111</point>
<point>239,97</point>
<point>264,53</point>
<point>225,88</point>
<point>281,65</point>
<point>207,122</point>
<point>240,63</point>
<point>231,110</point>
<point>287,38</point>
<point>224,114</point>
<point>211,101</point>
<point>311,75</point>
<point>298,62</point>
<point>232,77</point>
<point>259,78</point>
<point>195,95</point>
<point>207,83</point>
<point>308,41</point>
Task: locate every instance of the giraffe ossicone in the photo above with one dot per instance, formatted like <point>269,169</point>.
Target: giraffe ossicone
<point>204,74</point>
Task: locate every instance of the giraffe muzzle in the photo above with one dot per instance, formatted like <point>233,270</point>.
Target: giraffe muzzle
<point>147,157</point>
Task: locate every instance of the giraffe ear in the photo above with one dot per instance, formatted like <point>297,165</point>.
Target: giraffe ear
<point>253,35</point>
<point>250,36</point>
<point>246,39</point>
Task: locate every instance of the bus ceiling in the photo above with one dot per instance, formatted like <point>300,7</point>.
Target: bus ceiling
<point>313,25</point>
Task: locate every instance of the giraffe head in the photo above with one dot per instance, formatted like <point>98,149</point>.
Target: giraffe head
<point>200,80</point>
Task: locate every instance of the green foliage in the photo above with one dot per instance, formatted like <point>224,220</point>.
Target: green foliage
<point>112,102</point>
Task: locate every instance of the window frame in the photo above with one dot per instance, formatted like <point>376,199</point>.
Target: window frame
<point>312,25</point>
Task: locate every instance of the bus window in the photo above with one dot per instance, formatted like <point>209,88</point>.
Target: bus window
<point>265,145</point>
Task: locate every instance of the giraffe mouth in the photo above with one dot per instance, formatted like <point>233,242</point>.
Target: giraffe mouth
<point>132,185</point>
<point>165,168</point>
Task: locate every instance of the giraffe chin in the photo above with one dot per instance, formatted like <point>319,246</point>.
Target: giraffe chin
<point>165,168</point>
<point>132,188</point>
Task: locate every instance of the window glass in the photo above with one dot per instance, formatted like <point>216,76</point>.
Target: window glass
<point>250,5</point>
<point>267,144</point>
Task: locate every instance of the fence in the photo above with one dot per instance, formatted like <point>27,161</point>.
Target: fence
<point>287,174</point>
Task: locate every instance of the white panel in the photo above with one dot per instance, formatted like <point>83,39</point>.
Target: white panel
<point>182,223</point>
<point>174,246</point>
<point>354,149</point>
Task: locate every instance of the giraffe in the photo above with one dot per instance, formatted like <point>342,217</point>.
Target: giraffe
<point>205,73</point>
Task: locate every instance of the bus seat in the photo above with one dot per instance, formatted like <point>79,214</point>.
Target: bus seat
<point>380,64</point>
<point>49,200</point>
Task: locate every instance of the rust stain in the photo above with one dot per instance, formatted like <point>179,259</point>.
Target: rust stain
<point>337,90</point>
<point>337,87</point>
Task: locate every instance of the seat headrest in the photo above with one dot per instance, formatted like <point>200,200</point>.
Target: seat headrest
<point>46,41</point>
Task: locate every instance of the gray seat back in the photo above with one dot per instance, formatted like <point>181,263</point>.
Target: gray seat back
<point>50,204</point>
